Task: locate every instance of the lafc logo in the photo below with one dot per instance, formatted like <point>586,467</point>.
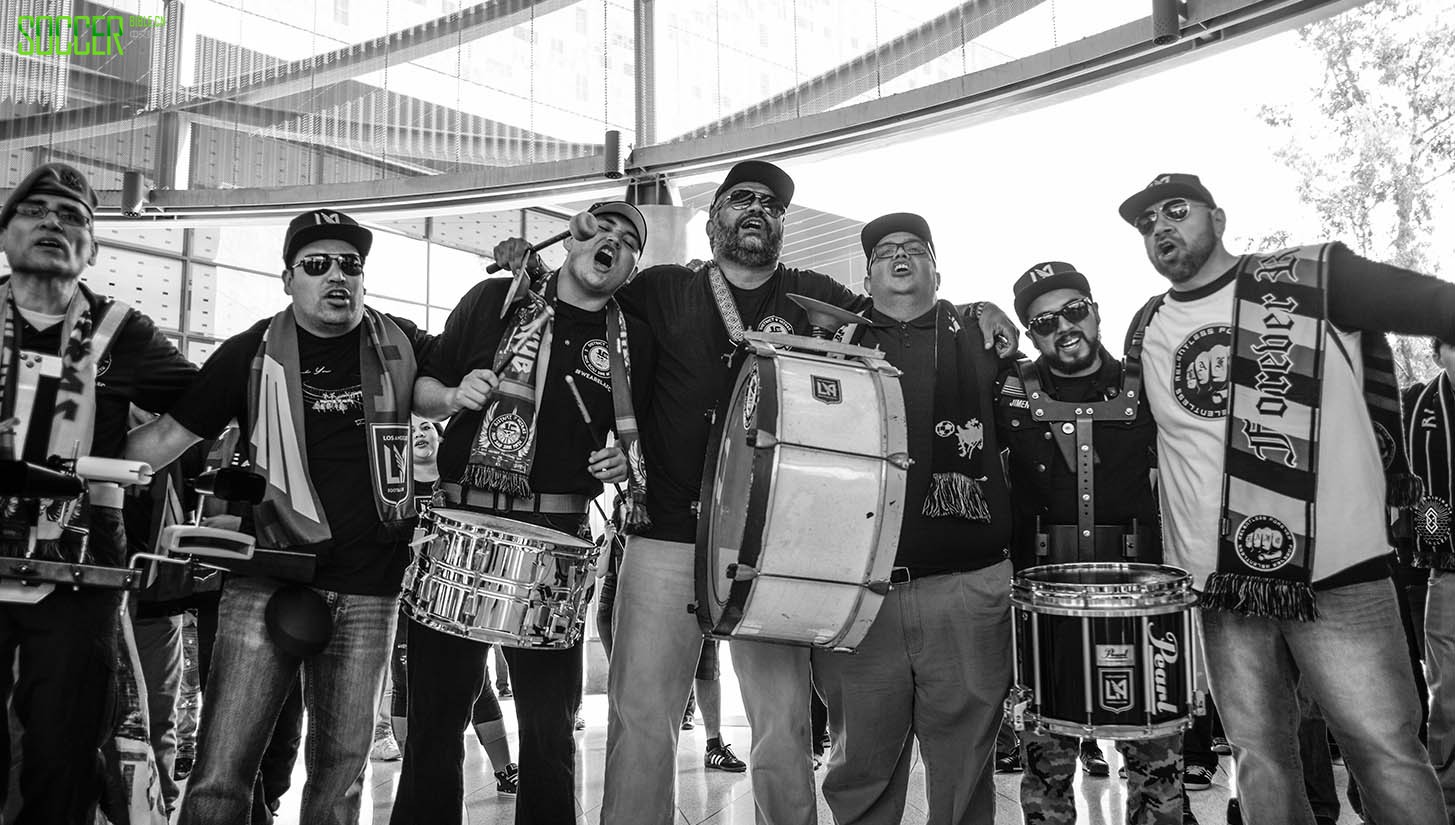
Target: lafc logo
<point>1158,181</point>
<point>1041,273</point>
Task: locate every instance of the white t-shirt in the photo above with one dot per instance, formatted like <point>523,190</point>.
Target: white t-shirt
<point>1186,361</point>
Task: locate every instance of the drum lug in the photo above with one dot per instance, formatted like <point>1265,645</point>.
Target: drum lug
<point>1199,703</point>
<point>741,572</point>
<point>900,460</point>
<point>879,587</point>
<point>761,438</point>
<point>1015,706</point>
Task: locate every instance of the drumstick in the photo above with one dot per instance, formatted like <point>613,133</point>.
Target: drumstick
<point>525,335</point>
<point>586,417</point>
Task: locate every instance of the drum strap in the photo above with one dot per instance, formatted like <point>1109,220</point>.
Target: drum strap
<point>727,308</point>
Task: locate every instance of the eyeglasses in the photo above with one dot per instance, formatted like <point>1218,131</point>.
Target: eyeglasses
<point>38,211</point>
<point>1174,210</point>
<point>741,199</point>
<point>885,251</point>
<point>319,264</point>
<point>1046,323</point>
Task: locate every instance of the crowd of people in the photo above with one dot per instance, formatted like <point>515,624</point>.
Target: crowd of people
<point>1262,451</point>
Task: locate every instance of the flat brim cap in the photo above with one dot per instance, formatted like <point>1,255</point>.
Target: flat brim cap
<point>758,171</point>
<point>1162,187</point>
<point>58,179</point>
<point>1046,277</point>
<point>624,210</point>
<point>885,225</point>
<point>322,224</point>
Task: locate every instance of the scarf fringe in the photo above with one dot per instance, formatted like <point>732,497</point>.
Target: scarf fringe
<point>486,477</point>
<point>956,494</point>
<point>1403,489</point>
<point>1258,596</point>
<point>1433,559</point>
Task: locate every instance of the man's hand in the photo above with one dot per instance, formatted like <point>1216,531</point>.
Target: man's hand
<point>474,390</point>
<point>999,330</point>
<point>608,465</point>
<point>512,253</point>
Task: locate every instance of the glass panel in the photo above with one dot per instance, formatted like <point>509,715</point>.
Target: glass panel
<point>396,267</point>
<point>243,299</point>
<point>403,309</point>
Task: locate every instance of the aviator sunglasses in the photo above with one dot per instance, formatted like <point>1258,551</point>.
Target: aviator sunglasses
<point>741,199</point>
<point>318,264</point>
<point>1174,210</point>
<point>1045,323</point>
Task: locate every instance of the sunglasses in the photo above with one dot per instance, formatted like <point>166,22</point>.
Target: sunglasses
<point>319,264</point>
<point>1174,210</point>
<point>885,251</point>
<point>38,211</point>
<point>1046,323</point>
<point>741,199</point>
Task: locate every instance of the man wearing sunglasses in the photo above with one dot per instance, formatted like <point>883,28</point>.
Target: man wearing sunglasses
<point>322,392</point>
<point>65,346</point>
<point>935,664</point>
<point>1273,482</point>
<point>1052,526</point>
<point>524,452</point>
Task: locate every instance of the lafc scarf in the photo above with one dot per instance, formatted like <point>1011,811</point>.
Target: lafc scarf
<point>957,463</point>
<point>1431,453</point>
<point>291,513</point>
<point>503,450</point>
<point>1270,482</point>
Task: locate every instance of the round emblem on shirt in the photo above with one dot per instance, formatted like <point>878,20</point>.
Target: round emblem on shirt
<point>1432,520</point>
<point>1200,371</point>
<point>774,323</point>
<point>1387,448</point>
<point>1264,543</point>
<point>507,433</point>
<point>597,358</point>
<point>945,429</point>
<point>104,365</point>
<point>750,397</point>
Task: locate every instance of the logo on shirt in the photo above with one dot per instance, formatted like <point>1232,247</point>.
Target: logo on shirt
<point>1200,371</point>
<point>1264,543</point>
<point>774,323</point>
<point>597,358</point>
<point>507,433</point>
<point>971,436</point>
<point>1387,447</point>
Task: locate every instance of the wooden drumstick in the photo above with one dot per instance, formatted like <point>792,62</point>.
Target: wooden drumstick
<point>586,417</point>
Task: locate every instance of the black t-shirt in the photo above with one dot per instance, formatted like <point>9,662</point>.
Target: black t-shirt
<point>359,558</point>
<point>942,544</point>
<point>1045,485</point>
<point>692,371</point>
<point>579,348</point>
<point>142,368</point>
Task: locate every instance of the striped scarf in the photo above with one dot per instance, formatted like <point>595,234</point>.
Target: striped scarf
<point>1432,457</point>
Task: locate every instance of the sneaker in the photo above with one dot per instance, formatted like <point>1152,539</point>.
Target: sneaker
<point>687,723</point>
<point>580,722</point>
<point>723,759</point>
<point>1221,747</point>
<point>1235,812</point>
<point>1197,778</point>
<point>1092,761</point>
<point>507,782</point>
<point>818,761</point>
<point>182,768</point>
<point>504,692</point>
<point>1008,762</point>
<point>385,749</point>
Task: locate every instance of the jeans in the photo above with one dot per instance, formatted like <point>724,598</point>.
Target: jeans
<point>935,666</point>
<point>1353,662</point>
<point>1440,665</point>
<point>248,683</point>
<point>159,646</point>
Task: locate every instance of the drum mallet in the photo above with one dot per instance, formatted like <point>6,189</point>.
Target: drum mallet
<point>583,227</point>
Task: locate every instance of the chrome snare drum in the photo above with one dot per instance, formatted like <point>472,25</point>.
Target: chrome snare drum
<point>492,579</point>
<point>1103,650</point>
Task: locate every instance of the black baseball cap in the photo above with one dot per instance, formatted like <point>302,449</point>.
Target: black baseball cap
<point>60,179</point>
<point>758,171</point>
<point>876,230</point>
<point>624,210</point>
<point>1162,187</point>
<point>322,224</point>
<point>1043,278</point>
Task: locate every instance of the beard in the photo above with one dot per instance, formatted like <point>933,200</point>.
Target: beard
<point>1070,363</point>
<point>1195,253</point>
<point>727,243</point>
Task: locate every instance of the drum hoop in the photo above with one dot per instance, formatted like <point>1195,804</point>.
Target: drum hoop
<point>485,525</point>
<point>1104,609</point>
<point>1116,732</point>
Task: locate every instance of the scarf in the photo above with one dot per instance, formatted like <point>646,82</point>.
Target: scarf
<point>503,450</point>
<point>291,513</point>
<point>957,460</point>
<point>1429,447</point>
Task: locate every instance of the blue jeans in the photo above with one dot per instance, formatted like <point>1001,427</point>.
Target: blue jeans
<point>1440,665</point>
<point>249,680</point>
<point>1353,662</point>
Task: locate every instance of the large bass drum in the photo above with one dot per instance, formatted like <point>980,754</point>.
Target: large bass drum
<point>802,498</point>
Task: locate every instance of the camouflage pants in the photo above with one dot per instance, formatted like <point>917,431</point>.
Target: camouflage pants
<point>1154,779</point>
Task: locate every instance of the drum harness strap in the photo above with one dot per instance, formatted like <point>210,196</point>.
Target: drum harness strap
<point>1071,427</point>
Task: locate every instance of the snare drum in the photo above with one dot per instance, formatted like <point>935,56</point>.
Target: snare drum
<point>1103,651</point>
<point>803,496</point>
<point>492,579</point>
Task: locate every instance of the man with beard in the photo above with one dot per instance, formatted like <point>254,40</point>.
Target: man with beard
<point>74,362</point>
<point>936,662</point>
<point>523,452</point>
<point>321,392</point>
<point>1054,301</point>
<point>696,319</point>
<point>1254,365</point>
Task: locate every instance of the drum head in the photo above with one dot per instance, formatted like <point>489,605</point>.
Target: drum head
<point>471,521</point>
<point>1105,574</point>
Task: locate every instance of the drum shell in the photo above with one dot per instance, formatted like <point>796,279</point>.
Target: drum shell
<point>802,490</point>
